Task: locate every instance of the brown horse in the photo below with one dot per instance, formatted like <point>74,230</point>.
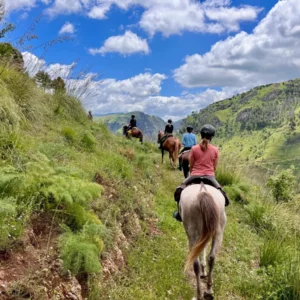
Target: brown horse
<point>133,132</point>
<point>184,160</point>
<point>172,145</point>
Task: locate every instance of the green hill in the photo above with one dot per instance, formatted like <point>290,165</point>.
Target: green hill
<point>261,126</point>
<point>150,125</point>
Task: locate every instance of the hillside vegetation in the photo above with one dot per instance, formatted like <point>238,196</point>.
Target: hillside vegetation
<point>68,191</point>
<point>150,125</point>
<point>261,126</point>
<point>85,214</point>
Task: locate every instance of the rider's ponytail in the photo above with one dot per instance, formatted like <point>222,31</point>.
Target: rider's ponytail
<point>204,144</point>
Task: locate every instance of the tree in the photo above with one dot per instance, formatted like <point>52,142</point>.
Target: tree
<point>283,184</point>
<point>10,55</point>
<point>7,28</point>
<point>59,85</point>
<point>43,79</point>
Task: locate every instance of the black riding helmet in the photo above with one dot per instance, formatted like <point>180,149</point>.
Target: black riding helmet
<point>169,121</point>
<point>207,131</point>
<point>133,116</point>
<point>189,128</point>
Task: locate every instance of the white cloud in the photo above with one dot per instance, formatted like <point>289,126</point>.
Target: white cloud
<point>166,16</point>
<point>270,54</point>
<point>99,12</point>
<point>67,28</point>
<point>126,44</point>
<point>140,92</point>
<point>11,5</point>
<point>64,7</point>
<point>32,63</point>
<point>59,70</point>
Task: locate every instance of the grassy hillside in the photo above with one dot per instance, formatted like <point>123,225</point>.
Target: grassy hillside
<point>69,190</point>
<point>150,125</point>
<point>85,214</point>
<point>261,126</point>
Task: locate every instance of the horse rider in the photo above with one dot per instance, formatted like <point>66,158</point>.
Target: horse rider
<point>169,127</point>
<point>203,163</point>
<point>188,141</point>
<point>90,116</point>
<point>168,132</point>
<point>132,123</point>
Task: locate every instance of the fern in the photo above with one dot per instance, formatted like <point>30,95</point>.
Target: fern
<point>81,251</point>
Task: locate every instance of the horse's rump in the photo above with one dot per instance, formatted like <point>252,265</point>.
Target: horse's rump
<point>200,209</point>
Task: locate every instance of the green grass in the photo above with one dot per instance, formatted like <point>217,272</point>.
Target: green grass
<point>50,154</point>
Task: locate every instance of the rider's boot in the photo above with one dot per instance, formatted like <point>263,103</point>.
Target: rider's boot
<point>177,195</point>
<point>177,216</point>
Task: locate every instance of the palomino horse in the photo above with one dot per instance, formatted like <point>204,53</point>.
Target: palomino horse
<point>184,158</point>
<point>202,209</point>
<point>172,145</point>
<point>134,132</point>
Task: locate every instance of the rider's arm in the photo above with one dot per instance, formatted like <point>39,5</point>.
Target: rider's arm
<point>216,161</point>
<point>195,140</point>
<point>191,160</point>
<point>183,140</point>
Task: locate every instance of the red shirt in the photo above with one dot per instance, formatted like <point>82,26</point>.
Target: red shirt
<point>204,161</point>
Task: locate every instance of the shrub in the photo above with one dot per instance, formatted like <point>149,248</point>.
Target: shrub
<point>283,185</point>
<point>81,251</point>
<point>226,176</point>
<point>238,192</point>
<point>286,280</point>
<point>258,216</point>
<point>10,223</point>
<point>88,141</point>
<point>69,134</point>
<point>272,252</point>
<point>11,56</point>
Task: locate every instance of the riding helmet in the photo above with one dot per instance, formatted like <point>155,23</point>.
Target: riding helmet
<point>189,128</point>
<point>133,116</point>
<point>207,131</point>
<point>169,121</point>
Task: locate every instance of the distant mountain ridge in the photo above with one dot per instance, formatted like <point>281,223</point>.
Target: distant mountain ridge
<point>149,124</point>
<point>261,126</point>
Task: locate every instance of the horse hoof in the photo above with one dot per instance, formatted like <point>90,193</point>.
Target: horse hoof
<point>208,296</point>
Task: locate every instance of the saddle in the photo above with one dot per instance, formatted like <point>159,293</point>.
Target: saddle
<point>164,137</point>
<point>186,151</point>
<point>130,130</point>
<point>198,180</point>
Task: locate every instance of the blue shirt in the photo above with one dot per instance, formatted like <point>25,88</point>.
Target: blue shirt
<point>189,140</point>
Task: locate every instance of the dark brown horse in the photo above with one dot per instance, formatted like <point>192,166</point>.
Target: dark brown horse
<point>133,132</point>
<point>184,160</point>
<point>172,145</point>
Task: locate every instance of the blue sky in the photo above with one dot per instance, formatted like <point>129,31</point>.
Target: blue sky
<point>164,57</point>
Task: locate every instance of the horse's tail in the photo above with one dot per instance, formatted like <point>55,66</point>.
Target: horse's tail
<point>141,136</point>
<point>210,217</point>
<point>177,150</point>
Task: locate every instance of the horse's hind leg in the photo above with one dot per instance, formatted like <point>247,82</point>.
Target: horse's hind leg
<point>216,244</point>
<point>203,264</point>
<point>197,274</point>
